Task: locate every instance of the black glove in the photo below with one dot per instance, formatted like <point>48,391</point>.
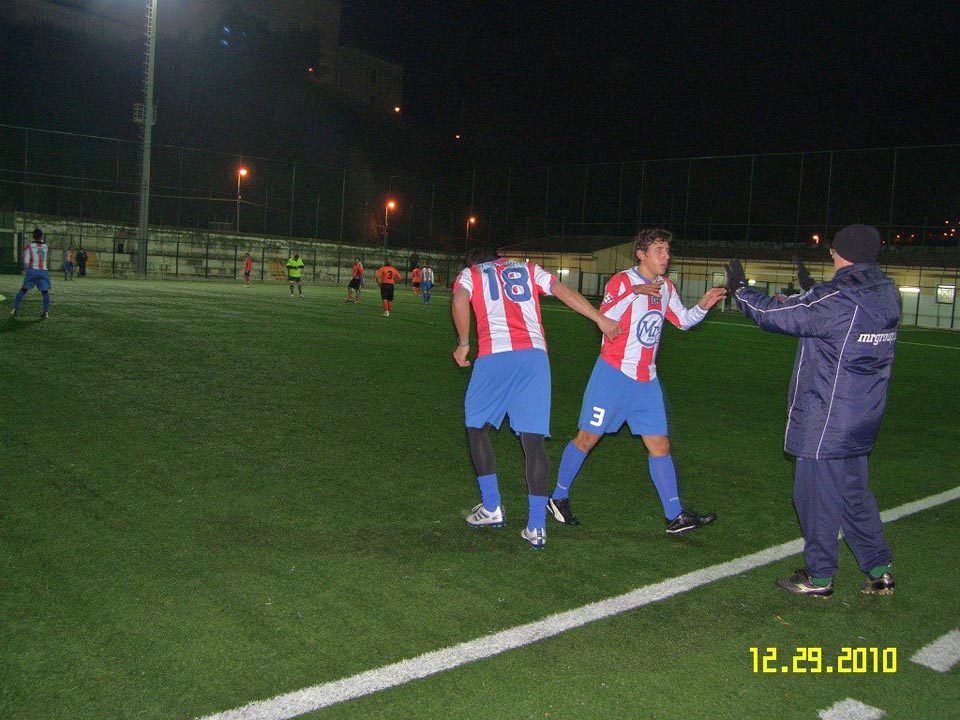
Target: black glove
<point>803,275</point>
<point>736,277</point>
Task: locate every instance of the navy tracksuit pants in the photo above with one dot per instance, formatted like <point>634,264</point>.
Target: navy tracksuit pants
<point>832,495</point>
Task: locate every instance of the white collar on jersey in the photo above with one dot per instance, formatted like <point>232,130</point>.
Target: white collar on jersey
<point>634,272</point>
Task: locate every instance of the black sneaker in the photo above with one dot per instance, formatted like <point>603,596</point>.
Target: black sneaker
<point>882,585</point>
<point>689,520</point>
<point>801,583</point>
<point>560,509</point>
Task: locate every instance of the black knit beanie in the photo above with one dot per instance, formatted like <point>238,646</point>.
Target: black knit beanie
<point>857,243</point>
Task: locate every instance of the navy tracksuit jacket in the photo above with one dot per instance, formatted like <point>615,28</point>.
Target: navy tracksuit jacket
<point>847,329</point>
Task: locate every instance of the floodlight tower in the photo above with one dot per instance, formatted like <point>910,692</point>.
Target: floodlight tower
<point>146,115</point>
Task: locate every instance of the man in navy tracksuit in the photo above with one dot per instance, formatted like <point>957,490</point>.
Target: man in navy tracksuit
<point>847,328</point>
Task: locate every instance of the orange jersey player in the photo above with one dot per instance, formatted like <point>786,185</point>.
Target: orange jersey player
<point>387,277</point>
<point>356,280</point>
<point>415,280</point>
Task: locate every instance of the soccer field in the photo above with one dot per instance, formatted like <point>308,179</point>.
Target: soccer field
<point>215,495</point>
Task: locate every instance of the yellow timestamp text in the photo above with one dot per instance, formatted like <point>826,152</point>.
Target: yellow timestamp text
<point>814,660</point>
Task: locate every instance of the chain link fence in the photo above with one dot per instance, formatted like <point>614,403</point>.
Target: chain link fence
<point>788,199</point>
<point>111,250</point>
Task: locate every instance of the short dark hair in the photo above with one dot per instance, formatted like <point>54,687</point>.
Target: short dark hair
<point>37,233</point>
<point>481,254</point>
<point>646,238</point>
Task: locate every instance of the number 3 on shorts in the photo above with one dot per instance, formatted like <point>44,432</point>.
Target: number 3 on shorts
<point>598,413</point>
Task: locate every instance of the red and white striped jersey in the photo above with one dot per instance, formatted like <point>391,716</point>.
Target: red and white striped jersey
<point>634,351</point>
<point>35,256</point>
<point>505,297</point>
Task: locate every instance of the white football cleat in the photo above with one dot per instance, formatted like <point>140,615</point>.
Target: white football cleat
<point>481,517</point>
<point>536,537</point>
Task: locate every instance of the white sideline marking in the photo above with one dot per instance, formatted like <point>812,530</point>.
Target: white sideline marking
<point>851,709</point>
<point>940,655</point>
<point>899,341</point>
<point>942,347</point>
<point>300,702</point>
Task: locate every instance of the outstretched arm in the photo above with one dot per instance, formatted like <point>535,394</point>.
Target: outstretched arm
<point>711,297</point>
<point>575,301</point>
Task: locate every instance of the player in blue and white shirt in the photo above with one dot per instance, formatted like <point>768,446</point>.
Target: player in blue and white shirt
<point>36,275</point>
<point>426,283</point>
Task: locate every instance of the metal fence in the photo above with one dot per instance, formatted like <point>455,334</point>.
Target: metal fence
<point>92,178</point>
<point>910,193</point>
<point>198,255</point>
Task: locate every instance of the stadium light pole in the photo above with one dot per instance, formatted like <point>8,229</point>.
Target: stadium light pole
<point>148,120</point>
<point>386,219</point>
<point>241,173</point>
<point>466,243</point>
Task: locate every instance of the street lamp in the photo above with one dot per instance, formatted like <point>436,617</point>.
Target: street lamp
<point>241,173</point>
<point>466,243</point>
<point>386,219</point>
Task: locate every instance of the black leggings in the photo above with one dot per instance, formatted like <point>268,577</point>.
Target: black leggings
<point>534,450</point>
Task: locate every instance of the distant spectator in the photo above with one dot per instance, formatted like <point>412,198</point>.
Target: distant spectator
<point>82,262</point>
<point>68,263</point>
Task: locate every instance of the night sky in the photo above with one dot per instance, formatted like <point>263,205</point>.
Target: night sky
<point>572,81</point>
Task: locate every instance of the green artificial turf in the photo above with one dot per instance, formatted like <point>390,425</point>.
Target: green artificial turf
<point>214,494</point>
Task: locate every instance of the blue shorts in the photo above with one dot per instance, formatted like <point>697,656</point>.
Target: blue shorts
<point>39,279</point>
<point>612,399</point>
<point>513,383</point>
<point>426,285</point>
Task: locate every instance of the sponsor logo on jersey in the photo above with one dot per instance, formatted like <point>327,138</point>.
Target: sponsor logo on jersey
<point>649,328</point>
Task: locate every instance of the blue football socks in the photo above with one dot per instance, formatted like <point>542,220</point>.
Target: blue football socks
<point>489,491</point>
<point>570,464</point>
<point>538,512</point>
<point>664,476</point>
